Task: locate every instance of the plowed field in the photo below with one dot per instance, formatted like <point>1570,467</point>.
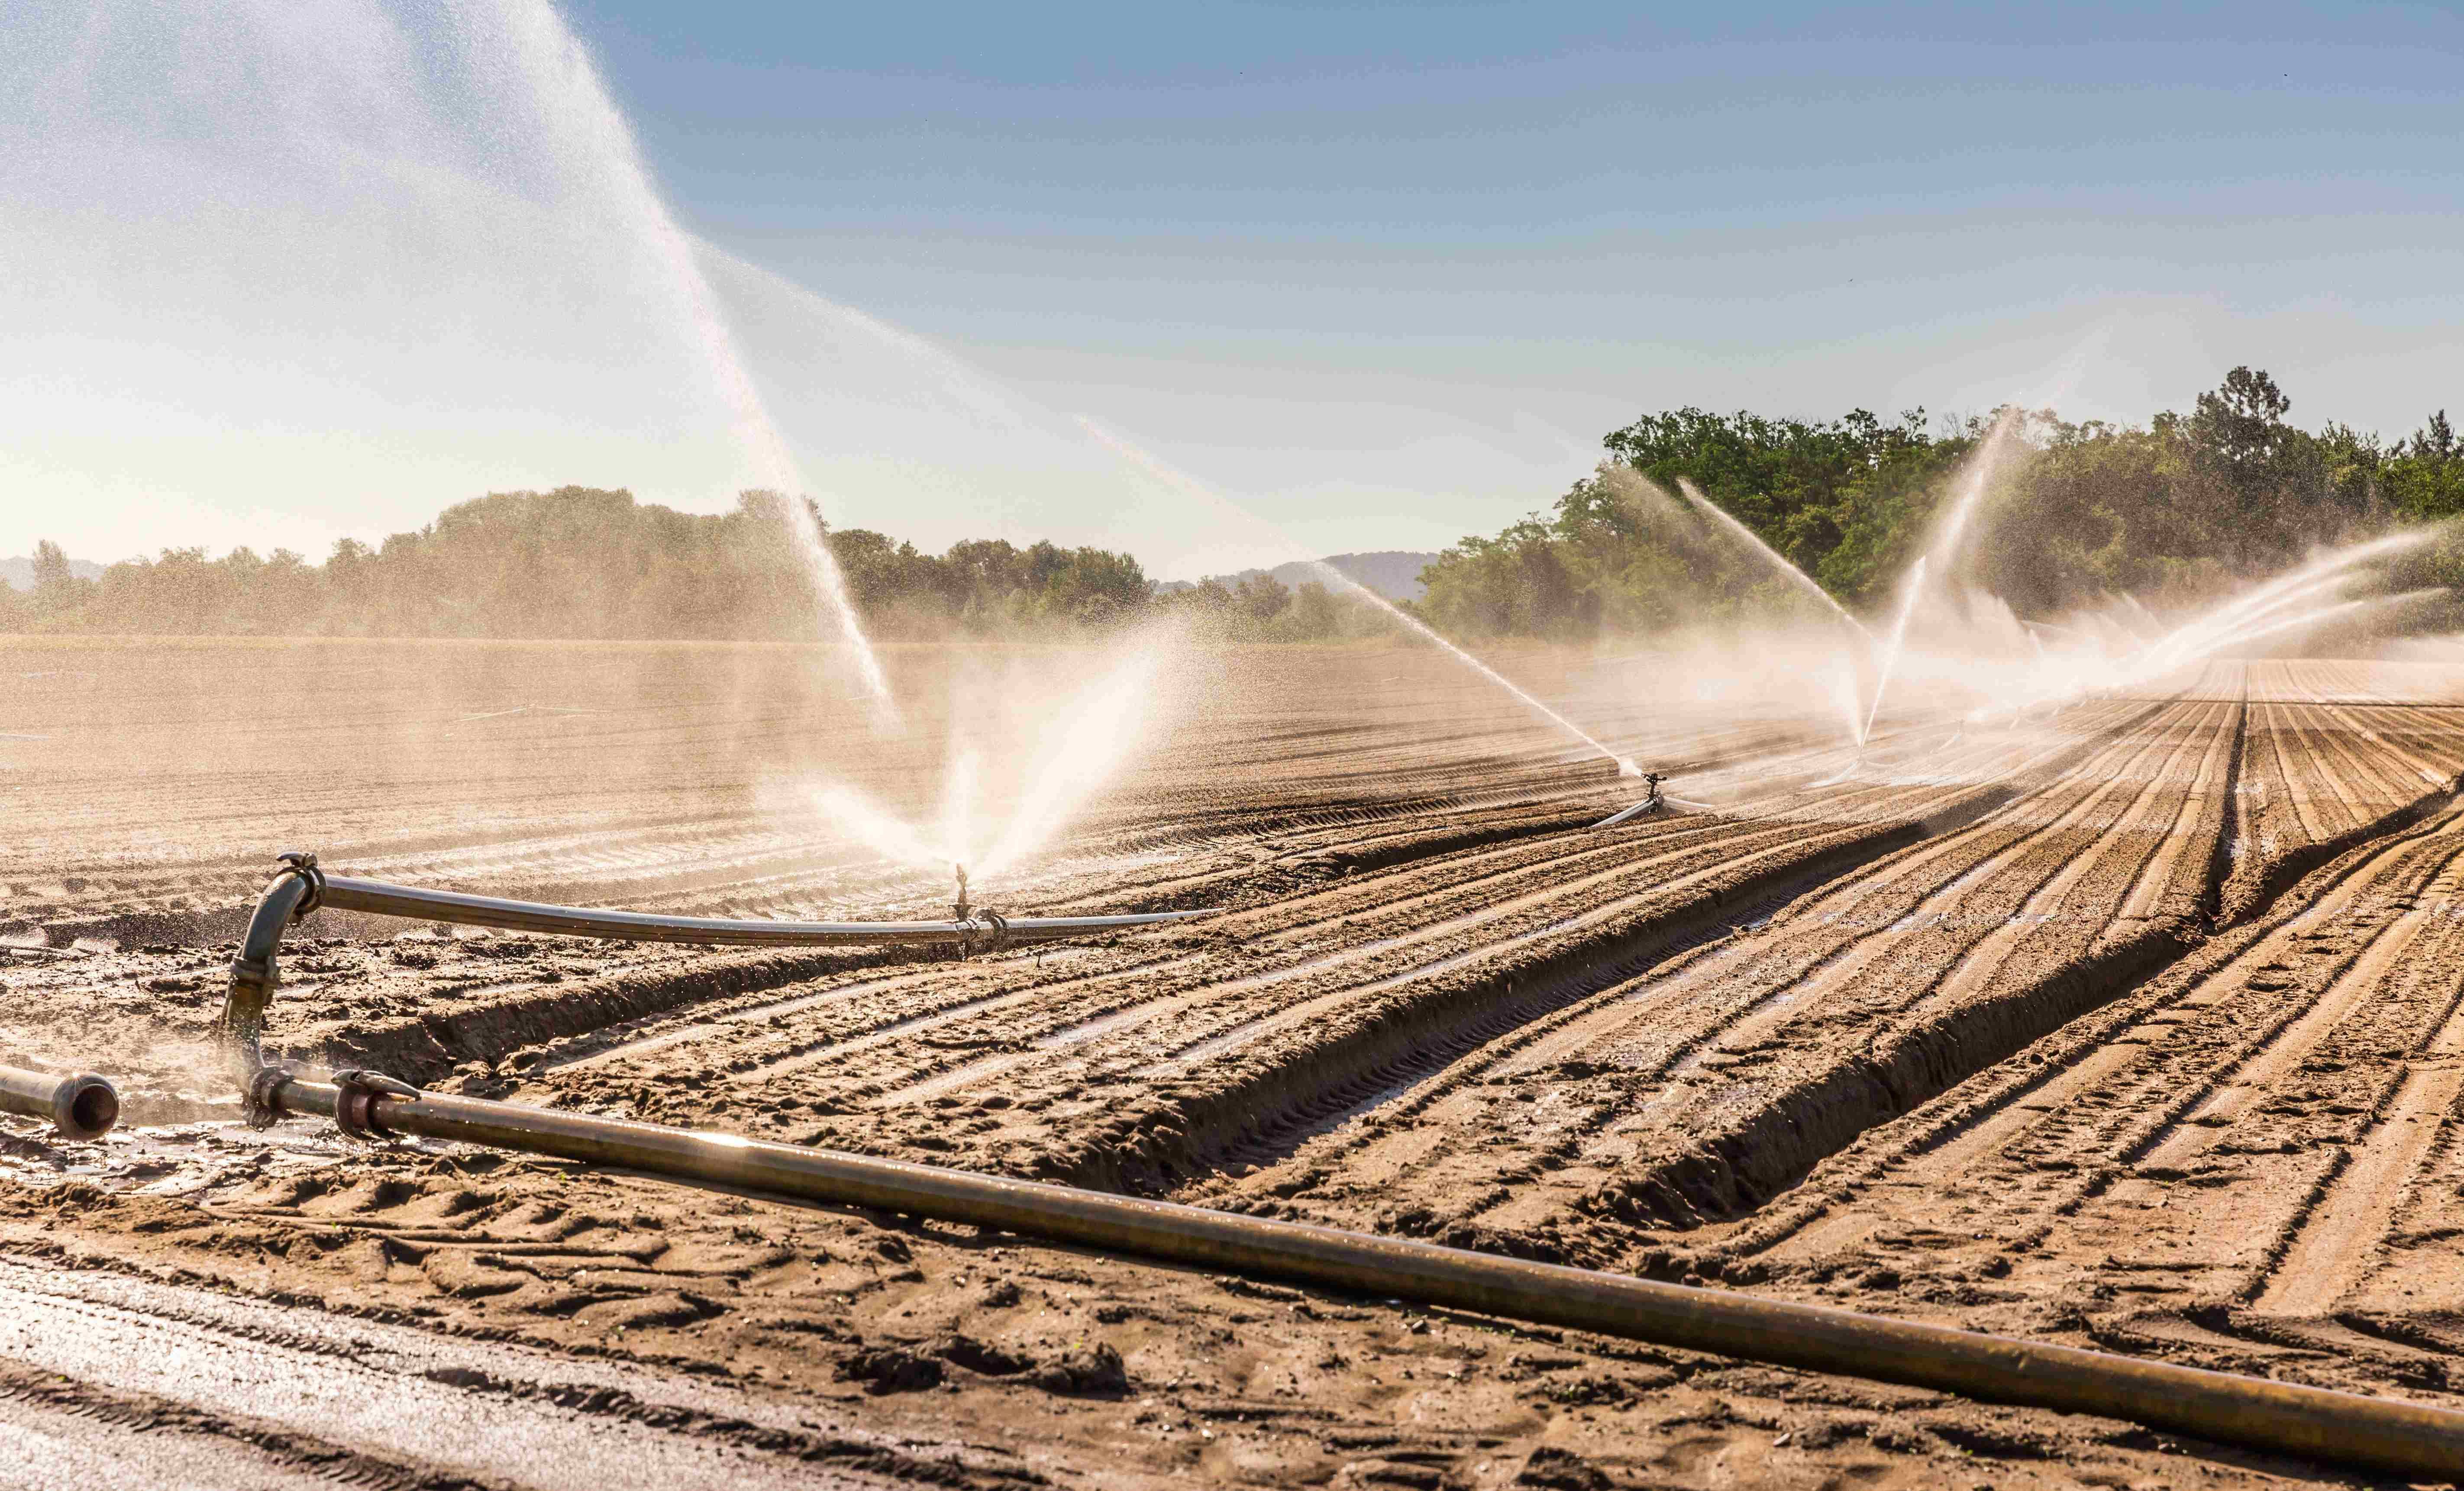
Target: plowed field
<point>2138,1025</point>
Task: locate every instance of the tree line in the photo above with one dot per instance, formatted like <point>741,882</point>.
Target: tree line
<point>2172,511</point>
<point>582,563</point>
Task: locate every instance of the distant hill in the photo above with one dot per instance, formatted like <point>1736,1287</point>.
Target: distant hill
<point>19,572</point>
<point>1393,573</point>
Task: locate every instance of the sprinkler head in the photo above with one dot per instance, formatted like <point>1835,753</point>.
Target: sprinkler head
<point>961,905</point>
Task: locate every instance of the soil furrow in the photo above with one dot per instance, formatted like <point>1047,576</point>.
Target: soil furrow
<point>1506,1158</point>
<point>2259,1119</point>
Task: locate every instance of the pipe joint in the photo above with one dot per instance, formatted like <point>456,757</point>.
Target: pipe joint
<point>994,927</point>
<point>261,1103</point>
<point>303,863</point>
<point>356,1091</point>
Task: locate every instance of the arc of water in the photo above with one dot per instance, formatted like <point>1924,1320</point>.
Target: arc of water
<point>1858,723</point>
<point>566,78</point>
<point>1977,476</point>
<point>1911,589</point>
<point>2202,637</point>
<point>2257,632</point>
<point>2177,646</point>
<point>1981,463</point>
<point>1787,570</point>
<point>1154,467</point>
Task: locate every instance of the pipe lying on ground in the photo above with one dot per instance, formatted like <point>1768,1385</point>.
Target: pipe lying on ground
<point>299,887</point>
<point>80,1106</point>
<point>2314,1422</point>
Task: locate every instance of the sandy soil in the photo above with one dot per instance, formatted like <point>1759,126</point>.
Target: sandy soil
<point>2137,1026</point>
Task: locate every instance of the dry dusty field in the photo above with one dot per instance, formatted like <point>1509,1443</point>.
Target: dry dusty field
<point>2139,1025</point>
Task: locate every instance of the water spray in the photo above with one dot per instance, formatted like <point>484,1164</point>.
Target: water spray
<point>1190,485</point>
<point>1845,685</point>
<point>1915,583</point>
<point>2206,632</point>
<point>2299,599</point>
<point>1787,570</point>
<point>566,78</point>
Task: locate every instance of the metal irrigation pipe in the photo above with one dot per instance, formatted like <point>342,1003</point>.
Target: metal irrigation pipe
<point>2285,1418</point>
<point>299,887</point>
<point>80,1106</point>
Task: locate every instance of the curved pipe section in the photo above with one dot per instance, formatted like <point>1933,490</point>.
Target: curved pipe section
<point>80,1106</point>
<point>301,887</point>
<point>2387,1434</point>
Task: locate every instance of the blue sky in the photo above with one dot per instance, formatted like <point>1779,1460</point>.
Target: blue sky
<point>1463,211</point>
<point>1385,273</point>
<point>1255,180</point>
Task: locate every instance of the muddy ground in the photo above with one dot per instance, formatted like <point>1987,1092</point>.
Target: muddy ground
<point>2140,1025</point>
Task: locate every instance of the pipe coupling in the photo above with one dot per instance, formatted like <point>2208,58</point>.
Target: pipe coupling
<point>303,863</point>
<point>261,1103</point>
<point>968,946</point>
<point>356,1090</point>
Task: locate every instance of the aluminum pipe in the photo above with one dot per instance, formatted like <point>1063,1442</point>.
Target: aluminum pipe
<point>80,1106</point>
<point>300,887</point>
<point>343,893</point>
<point>2384,1433</point>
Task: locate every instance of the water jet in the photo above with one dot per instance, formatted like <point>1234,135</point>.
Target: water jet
<point>1181,481</point>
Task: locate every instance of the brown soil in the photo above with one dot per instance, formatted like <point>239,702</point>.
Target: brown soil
<point>2137,1027</point>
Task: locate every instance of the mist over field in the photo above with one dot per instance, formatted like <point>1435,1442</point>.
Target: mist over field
<point>1467,747</point>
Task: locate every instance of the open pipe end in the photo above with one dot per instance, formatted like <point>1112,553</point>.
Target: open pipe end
<point>85,1107</point>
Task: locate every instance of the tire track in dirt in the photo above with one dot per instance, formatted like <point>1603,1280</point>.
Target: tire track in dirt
<point>57,1434</point>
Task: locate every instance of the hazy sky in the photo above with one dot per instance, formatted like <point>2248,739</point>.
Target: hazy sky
<point>1382,274</point>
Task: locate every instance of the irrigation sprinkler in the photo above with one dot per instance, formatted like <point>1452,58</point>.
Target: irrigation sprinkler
<point>1652,802</point>
<point>1655,802</point>
<point>81,1105</point>
<point>300,886</point>
<point>2284,1417</point>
